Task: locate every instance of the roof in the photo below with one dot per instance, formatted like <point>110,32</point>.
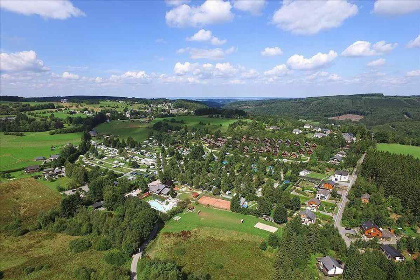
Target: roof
<point>389,250</point>
<point>315,200</point>
<point>369,224</point>
<point>54,156</point>
<point>365,196</point>
<point>324,192</point>
<point>39,158</point>
<point>309,214</point>
<point>330,263</point>
<point>97,204</point>
<point>32,167</point>
<point>165,191</point>
<point>341,172</point>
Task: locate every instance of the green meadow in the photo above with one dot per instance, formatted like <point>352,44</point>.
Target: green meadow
<point>20,151</point>
<point>399,149</point>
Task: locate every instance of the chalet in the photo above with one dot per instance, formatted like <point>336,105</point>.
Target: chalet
<point>54,157</point>
<point>40,158</point>
<point>323,194</point>
<point>319,135</point>
<point>32,169</point>
<point>341,176</point>
<point>326,131</point>
<point>284,154</point>
<point>328,185</point>
<point>156,187</point>
<point>294,155</point>
<point>195,194</point>
<point>391,253</point>
<point>365,198</point>
<point>371,230</point>
<point>93,133</point>
<point>349,137</point>
<point>330,266</point>
<point>309,152</point>
<point>296,131</point>
<point>98,205</point>
<point>307,126</point>
<point>307,217</point>
<point>304,172</point>
<point>313,203</point>
<point>317,129</point>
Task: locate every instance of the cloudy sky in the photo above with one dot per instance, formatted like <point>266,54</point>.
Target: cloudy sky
<point>213,48</point>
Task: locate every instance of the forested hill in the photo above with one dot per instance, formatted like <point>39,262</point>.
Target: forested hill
<point>376,109</point>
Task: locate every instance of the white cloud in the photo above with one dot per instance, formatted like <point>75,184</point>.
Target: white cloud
<point>21,61</point>
<point>176,2</point>
<point>70,76</point>
<point>272,51</point>
<point>98,80</point>
<point>182,69</point>
<point>251,74</point>
<point>365,48</point>
<point>376,63</point>
<point>319,60</point>
<point>310,17</point>
<point>132,77</point>
<point>214,54</point>
<point>279,70</point>
<point>396,7</point>
<point>334,77</point>
<point>414,73</point>
<point>254,7</point>
<point>57,9</point>
<point>210,12</point>
<point>414,43</point>
<point>205,35</point>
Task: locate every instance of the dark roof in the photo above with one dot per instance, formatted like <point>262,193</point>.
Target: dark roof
<point>316,200</point>
<point>54,156</point>
<point>324,192</point>
<point>32,167</point>
<point>330,263</point>
<point>365,196</point>
<point>369,224</point>
<point>309,214</point>
<point>39,158</point>
<point>97,204</point>
<point>391,251</point>
<point>165,191</point>
<point>93,133</point>
<point>341,172</point>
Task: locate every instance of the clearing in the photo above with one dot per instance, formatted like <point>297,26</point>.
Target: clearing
<point>352,117</point>
<point>399,149</point>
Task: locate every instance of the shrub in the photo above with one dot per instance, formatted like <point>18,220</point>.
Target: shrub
<point>273,240</point>
<point>103,244</point>
<point>263,245</point>
<point>83,273</point>
<point>116,258</point>
<point>79,245</point>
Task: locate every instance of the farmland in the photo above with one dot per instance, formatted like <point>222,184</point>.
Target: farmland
<point>20,151</point>
<point>399,149</point>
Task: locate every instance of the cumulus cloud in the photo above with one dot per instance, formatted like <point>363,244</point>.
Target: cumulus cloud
<point>176,2</point>
<point>184,68</point>
<point>310,17</point>
<point>414,73</point>
<point>21,61</point>
<point>210,12</point>
<point>279,70</point>
<point>213,54</point>
<point>272,51</point>
<point>132,77</point>
<point>299,62</point>
<point>70,76</point>
<point>206,36</point>
<point>414,43</point>
<point>58,9</point>
<point>365,48</point>
<point>396,7</point>
<point>254,7</point>
<point>376,63</point>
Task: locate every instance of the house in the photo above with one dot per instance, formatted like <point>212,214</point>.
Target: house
<point>32,169</point>
<point>336,159</point>
<point>326,131</point>
<point>365,198</point>
<point>330,266</point>
<point>370,229</point>
<point>156,187</point>
<point>195,194</point>
<point>323,194</point>
<point>314,203</point>
<point>243,202</point>
<point>317,129</point>
<point>308,217</point>
<point>296,131</point>
<point>341,176</point>
<point>349,137</point>
<point>93,133</point>
<point>307,126</point>
<point>98,205</point>
<point>328,185</point>
<point>54,157</point>
<point>64,100</point>
<point>391,253</point>
<point>40,158</point>
<point>319,135</point>
<point>304,172</point>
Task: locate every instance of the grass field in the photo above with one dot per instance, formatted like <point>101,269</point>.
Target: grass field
<point>20,151</point>
<point>222,253</point>
<point>140,130</point>
<point>24,199</point>
<point>213,218</point>
<point>399,149</point>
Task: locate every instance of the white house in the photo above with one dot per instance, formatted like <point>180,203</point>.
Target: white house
<point>323,194</point>
<point>319,135</point>
<point>341,176</point>
<point>307,126</point>
<point>330,266</point>
<point>349,137</point>
<point>296,131</point>
<point>304,172</point>
<point>308,217</point>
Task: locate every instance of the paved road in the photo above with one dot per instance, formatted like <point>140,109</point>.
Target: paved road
<point>138,256</point>
<point>337,218</point>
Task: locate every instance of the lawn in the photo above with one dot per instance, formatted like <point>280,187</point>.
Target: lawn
<point>222,253</point>
<point>53,185</point>
<point>399,149</point>
<point>24,199</point>
<point>20,151</point>
<point>316,175</point>
<point>214,218</point>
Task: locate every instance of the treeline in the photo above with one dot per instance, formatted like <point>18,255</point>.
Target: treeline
<point>168,125</point>
<point>397,176</point>
<point>226,113</point>
<point>14,108</point>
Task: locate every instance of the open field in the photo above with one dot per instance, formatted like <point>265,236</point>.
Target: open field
<point>20,151</point>
<point>399,149</point>
<point>222,253</point>
<point>140,130</point>
<point>213,218</point>
<point>24,199</point>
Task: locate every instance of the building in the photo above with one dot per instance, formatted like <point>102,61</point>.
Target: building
<point>296,131</point>
<point>40,158</point>
<point>370,229</point>
<point>307,217</point>
<point>54,157</point>
<point>330,266</point>
<point>304,172</point>
<point>391,253</point>
<point>307,126</point>
<point>313,203</point>
<point>32,169</point>
<point>341,176</point>
<point>319,135</point>
<point>328,185</point>
<point>323,194</point>
<point>349,137</point>
<point>156,187</point>
<point>365,198</point>
<point>93,133</point>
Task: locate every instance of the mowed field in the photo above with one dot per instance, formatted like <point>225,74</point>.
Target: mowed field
<point>20,151</point>
<point>399,149</point>
<point>140,130</point>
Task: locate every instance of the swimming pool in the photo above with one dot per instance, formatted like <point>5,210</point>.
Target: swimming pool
<point>162,206</point>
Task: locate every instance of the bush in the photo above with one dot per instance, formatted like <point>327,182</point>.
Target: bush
<point>83,273</point>
<point>103,244</point>
<point>273,240</point>
<point>263,245</point>
<point>20,231</point>
<point>79,245</point>
<point>116,258</point>
<point>28,270</point>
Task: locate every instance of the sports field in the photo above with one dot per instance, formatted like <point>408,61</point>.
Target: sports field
<point>20,151</point>
<point>399,149</point>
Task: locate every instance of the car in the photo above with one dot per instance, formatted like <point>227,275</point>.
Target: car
<point>347,228</point>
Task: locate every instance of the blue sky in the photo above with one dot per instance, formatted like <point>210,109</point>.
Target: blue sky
<point>211,48</point>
